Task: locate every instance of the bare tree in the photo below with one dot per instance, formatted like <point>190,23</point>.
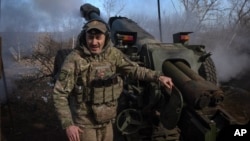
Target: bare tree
<point>239,18</point>
<point>44,53</point>
<point>240,12</point>
<point>205,11</point>
<point>113,7</point>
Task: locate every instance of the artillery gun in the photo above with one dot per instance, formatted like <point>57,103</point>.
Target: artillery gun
<point>197,109</point>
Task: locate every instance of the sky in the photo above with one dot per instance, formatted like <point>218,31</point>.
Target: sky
<point>30,15</point>
<point>148,7</point>
<point>44,15</point>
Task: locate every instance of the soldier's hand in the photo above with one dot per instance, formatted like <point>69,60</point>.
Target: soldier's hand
<point>167,82</point>
<point>73,133</point>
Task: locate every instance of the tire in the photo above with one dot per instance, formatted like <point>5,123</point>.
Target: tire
<point>208,71</point>
<point>59,59</point>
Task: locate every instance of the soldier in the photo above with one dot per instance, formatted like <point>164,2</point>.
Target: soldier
<point>89,84</point>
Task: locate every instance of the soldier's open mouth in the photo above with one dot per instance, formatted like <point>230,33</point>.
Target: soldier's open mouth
<point>94,48</point>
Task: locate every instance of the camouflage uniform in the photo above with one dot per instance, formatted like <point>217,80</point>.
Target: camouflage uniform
<point>88,82</point>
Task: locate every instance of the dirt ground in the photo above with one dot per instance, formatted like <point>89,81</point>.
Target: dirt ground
<point>29,114</point>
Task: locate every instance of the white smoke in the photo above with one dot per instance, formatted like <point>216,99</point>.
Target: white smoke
<point>230,63</point>
<point>36,15</point>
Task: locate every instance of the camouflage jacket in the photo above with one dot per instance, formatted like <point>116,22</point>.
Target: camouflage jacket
<point>75,62</point>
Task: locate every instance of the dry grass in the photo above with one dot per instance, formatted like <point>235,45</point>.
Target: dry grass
<point>29,115</point>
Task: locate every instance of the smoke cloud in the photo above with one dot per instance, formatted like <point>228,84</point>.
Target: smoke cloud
<point>230,63</point>
<point>37,15</point>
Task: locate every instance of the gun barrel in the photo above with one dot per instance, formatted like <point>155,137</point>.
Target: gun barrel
<point>189,72</point>
<point>195,90</point>
<point>90,12</point>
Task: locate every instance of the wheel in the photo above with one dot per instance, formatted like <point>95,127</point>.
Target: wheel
<point>129,121</point>
<point>208,71</point>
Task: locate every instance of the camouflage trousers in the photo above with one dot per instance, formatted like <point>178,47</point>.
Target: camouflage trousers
<point>104,133</point>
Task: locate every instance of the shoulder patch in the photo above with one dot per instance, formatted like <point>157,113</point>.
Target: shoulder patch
<point>63,75</point>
